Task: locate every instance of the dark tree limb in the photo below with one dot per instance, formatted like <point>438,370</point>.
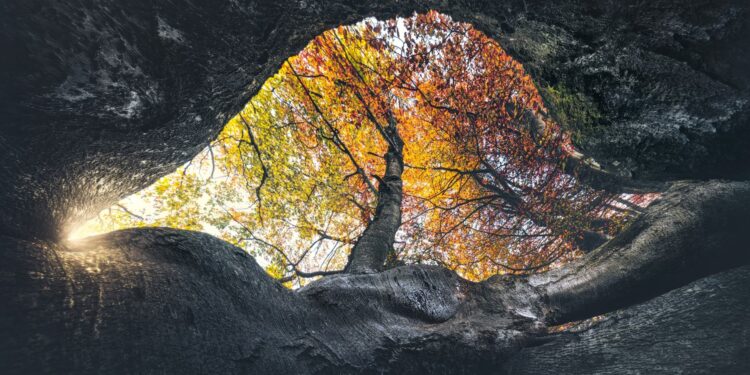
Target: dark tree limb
<point>146,300</point>
<point>695,229</point>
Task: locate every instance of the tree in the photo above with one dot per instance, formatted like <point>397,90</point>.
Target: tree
<point>165,300</point>
<point>196,303</point>
<point>422,115</point>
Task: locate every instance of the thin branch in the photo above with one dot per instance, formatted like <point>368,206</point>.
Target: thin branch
<point>264,176</point>
<point>213,162</point>
<point>139,217</point>
<point>303,274</point>
<point>336,139</point>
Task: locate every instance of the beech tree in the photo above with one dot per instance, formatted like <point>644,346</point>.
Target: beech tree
<point>101,99</point>
<point>422,118</point>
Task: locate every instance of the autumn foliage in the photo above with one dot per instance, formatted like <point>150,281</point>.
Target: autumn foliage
<point>294,177</point>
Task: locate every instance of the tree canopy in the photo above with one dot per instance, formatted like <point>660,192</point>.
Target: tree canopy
<point>423,113</point>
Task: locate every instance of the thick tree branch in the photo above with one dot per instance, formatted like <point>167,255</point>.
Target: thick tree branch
<point>696,229</point>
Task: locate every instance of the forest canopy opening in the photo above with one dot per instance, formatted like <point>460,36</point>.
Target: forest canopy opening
<point>421,129</point>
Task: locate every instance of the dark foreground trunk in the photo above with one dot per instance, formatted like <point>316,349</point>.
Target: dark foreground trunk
<point>100,98</point>
<point>161,300</point>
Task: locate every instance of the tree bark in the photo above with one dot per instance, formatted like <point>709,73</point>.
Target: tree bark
<point>376,242</point>
<point>701,328</point>
<point>695,229</point>
<point>163,300</point>
<point>99,99</point>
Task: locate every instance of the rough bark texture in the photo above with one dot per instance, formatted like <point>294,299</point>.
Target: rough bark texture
<point>694,230</point>
<point>164,300</point>
<point>100,98</point>
<point>702,328</point>
<point>376,242</point>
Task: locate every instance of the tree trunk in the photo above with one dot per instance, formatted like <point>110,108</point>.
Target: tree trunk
<point>376,243</point>
<point>163,300</point>
<point>100,98</point>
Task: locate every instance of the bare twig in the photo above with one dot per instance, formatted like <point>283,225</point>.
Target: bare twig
<point>264,176</point>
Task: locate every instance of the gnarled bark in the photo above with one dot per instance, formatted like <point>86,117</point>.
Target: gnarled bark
<point>694,230</point>
<point>101,98</point>
<point>701,328</point>
<point>151,300</point>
